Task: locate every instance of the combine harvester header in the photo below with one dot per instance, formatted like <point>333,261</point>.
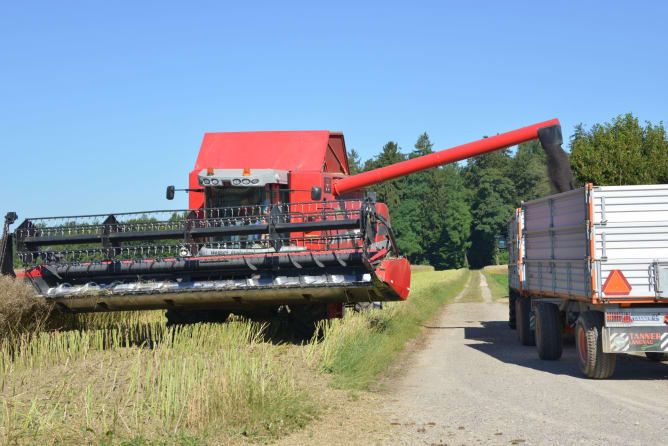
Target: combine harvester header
<point>275,220</point>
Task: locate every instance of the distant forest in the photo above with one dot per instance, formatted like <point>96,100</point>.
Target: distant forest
<point>453,216</point>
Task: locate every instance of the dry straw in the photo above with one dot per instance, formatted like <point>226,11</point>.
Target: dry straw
<point>20,310</point>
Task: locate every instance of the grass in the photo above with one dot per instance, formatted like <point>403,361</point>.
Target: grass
<point>473,292</point>
<point>421,268</point>
<point>360,347</point>
<point>125,378</point>
<point>497,283</point>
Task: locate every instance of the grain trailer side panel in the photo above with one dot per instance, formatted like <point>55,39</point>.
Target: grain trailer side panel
<point>595,264</point>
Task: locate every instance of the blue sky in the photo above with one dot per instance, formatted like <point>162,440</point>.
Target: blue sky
<point>103,104</point>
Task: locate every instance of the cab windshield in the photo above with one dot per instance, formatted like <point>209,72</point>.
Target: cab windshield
<point>243,206</point>
<point>219,197</point>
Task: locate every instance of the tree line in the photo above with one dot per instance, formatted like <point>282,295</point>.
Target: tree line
<point>453,216</point>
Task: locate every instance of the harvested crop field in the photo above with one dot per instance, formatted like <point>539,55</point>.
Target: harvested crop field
<point>118,377</point>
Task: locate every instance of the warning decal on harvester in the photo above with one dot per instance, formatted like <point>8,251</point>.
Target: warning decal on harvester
<point>616,284</point>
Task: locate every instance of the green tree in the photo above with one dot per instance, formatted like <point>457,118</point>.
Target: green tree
<point>528,172</point>
<point>407,226</point>
<point>491,201</point>
<point>389,192</point>
<point>453,238</point>
<point>355,162</point>
<point>620,152</point>
<point>491,208</point>
<point>418,208</point>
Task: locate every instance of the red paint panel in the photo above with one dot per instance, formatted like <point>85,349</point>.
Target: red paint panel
<point>195,199</point>
<point>33,272</point>
<point>336,159</point>
<point>439,158</point>
<point>264,150</point>
<point>397,274</point>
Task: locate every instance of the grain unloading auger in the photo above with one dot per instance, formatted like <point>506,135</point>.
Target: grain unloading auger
<point>274,220</point>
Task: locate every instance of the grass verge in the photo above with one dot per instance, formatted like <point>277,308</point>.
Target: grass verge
<point>361,346</point>
<point>473,292</point>
<point>497,283</point>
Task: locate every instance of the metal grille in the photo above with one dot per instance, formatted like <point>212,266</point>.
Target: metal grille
<point>241,230</point>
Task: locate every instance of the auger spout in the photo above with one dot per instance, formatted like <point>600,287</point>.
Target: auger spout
<point>442,157</point>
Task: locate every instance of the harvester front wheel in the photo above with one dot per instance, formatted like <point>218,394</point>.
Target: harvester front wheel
<point>304,318</point>
<point>187,317</point>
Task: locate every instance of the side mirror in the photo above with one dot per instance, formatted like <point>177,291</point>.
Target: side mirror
<point>316,193</point>
<point>170,192</point>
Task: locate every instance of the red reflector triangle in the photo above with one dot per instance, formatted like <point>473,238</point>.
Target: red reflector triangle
<point>616,284</point>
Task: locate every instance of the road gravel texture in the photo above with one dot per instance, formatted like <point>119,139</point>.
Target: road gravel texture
<point>474,384</point>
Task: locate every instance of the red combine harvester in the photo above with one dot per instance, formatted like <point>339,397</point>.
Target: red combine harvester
<point>275,222</point>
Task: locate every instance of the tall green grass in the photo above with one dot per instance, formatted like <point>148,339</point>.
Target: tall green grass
<point>361,346</point>
<point>497,283</point>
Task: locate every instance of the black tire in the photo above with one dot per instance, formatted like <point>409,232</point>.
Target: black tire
<point>523,319</point>
<point>549,341</point>
<point>304,318</point>
<point>657,356</point>
<point>188,317</point>
<point>589,344</point>
<point>512,320</point>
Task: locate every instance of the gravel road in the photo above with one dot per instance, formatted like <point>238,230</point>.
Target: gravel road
<point>473,383</point>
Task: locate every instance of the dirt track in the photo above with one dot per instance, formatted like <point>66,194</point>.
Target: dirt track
<point>474,384</point>
<point>469,382</point>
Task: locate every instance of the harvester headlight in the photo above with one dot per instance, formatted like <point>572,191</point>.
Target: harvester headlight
<point>245,181</point>
<point>255,181</point>
<point>236,181</point>
<point>214,181</point>
<point>206,181</point>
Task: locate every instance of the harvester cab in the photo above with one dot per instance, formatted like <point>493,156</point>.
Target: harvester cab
<point>275,222</point>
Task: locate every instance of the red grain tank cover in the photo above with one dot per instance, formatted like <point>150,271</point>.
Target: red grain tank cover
<point>316,150</point>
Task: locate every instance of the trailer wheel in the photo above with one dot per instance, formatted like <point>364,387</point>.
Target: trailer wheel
<point>657,356</point>
<point>512,321</point>
<point>304,318</point>
<point>549,341</point>
<point>188,317</point>
<point>588,341</point>
<point>523,319</point>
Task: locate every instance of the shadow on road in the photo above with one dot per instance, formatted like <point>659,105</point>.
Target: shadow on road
<point>497,340</point>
